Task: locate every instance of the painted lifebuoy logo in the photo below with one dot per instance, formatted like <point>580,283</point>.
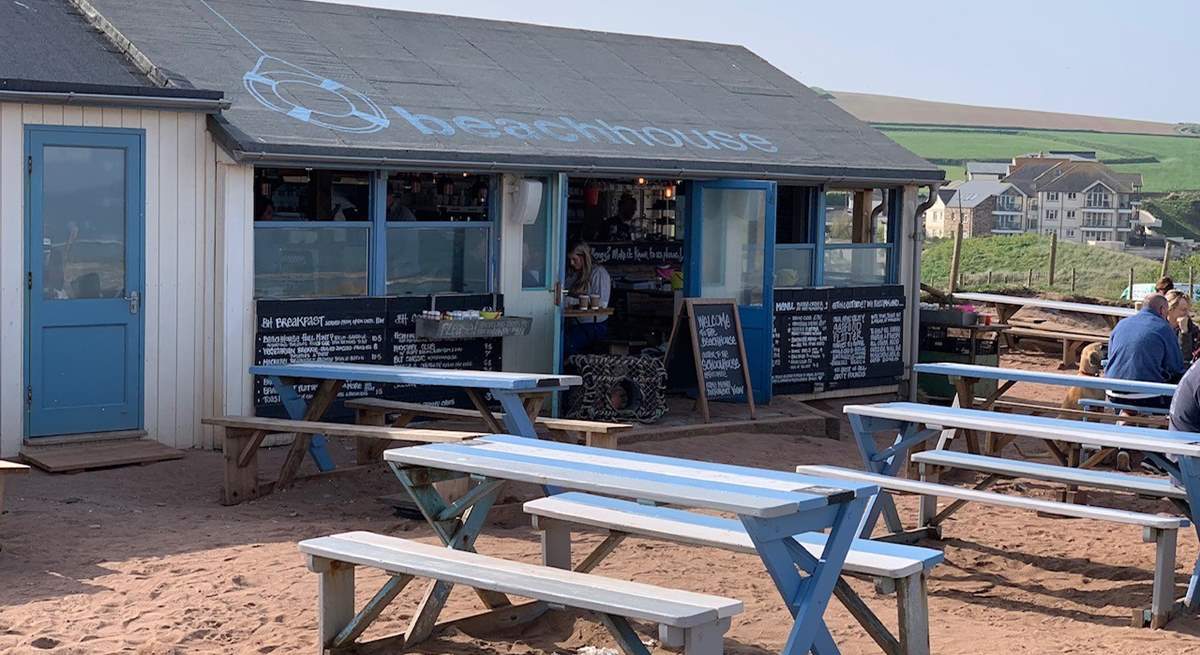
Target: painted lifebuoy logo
<point>311,98</point>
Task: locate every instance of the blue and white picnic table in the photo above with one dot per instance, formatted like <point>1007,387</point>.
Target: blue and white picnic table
<point>772,505</point>
<point>520,394</point>
<point>1006,306</point>
<point>965,376</point>
<point>1178,453</point>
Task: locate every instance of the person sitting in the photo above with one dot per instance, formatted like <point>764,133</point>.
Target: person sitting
<point>1179,315</point>
<point>1164,284</point>
<point>1144,347</point>
<point>586,278</point>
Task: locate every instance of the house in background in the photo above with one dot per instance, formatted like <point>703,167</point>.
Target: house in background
<point>986,171</point>
<point>974,203</point>
<point>1076,198</point>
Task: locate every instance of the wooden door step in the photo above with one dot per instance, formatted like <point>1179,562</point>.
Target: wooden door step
<point>66,458</point>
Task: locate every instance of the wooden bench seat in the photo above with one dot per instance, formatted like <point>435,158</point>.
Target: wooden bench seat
<point>1162,530</point>
<point>378,410</point>
<point>894,566</point>
<point>703,619</point>
<point>244,435</point>
<point>1142,485</point>
<point>1072,342</point>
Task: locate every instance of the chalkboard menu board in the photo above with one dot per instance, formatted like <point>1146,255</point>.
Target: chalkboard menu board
<point>371,331</point>
<point>838,338</point>
<point>638,253</point>
<point>710,333</point>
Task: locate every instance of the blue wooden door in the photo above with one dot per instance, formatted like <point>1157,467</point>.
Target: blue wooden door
<point>729,252</point>
<point>85,208</point>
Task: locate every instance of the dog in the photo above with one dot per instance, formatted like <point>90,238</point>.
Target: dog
<point>1090,363</point>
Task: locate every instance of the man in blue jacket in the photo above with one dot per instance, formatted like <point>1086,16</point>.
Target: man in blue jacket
<point>1144,347</point>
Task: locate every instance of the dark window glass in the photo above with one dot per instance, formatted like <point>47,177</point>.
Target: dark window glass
<point>298,194</point>
<point>437,197</point>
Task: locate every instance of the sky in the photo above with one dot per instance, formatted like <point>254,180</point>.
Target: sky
<point>1116,58</point>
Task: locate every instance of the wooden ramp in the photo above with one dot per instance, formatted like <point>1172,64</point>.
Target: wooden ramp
<point>65,458</point>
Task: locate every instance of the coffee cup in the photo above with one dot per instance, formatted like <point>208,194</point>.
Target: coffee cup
<point>594,301</point>
<point>584,302</point>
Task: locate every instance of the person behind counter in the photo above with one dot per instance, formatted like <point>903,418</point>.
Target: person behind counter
<point>585,278</point>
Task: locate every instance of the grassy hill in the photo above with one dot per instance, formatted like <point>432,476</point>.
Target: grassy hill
<point>1180,213</point>
<point>1100,273</point>
<point>1167,163</point>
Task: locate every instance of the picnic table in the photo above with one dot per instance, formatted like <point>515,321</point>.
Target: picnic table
<point>520,394</point>
<point>1006,306</point>
<point>1178,453</point>
<point>773,506</point>
<point>964,377</point>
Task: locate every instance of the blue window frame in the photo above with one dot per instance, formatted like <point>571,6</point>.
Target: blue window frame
<point>846,256</point>
<point>322,233</point>
<point>796,236</point>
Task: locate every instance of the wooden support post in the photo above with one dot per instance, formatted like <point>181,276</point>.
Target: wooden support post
<point>913,607</point>
<point>1053,257</point>
<point>241,471</point>
<point>335,598</point>
<point>556,542</point>
<point>927,509</point>
<point>956,257</point>
<point>369,451</point>
<point>1072,279</point>
<point>989,279</point>
<point>1166,262</point>
<point>1163,595</point>
<point>1029,281</point>
<point>1131,298</point>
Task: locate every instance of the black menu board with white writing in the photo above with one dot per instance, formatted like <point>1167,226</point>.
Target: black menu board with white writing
<point>838,338</point>
<point>638,253</point>
<point>371,331</point>
<point>719,344</point>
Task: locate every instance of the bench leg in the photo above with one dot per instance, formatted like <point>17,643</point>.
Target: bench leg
<point>928,504</point>
<point>556,542</point>
<point>369,451</point>
<point>241,480</point>
<point>599,440</point>
<point>1162,603</point>
<point>912,605</point>
<point>707,639</point>
<point>335,599</point>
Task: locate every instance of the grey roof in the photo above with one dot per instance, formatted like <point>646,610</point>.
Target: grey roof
<point>1069,176</point>
<point>49,47</point>
<point>310,79</point>
<point>987,167</point>
<point>969,194</point>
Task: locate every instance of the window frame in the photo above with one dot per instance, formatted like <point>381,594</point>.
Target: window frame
<point>378,228</point>
<point>894,199</point>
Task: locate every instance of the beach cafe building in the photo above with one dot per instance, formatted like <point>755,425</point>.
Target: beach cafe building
<point>188,190</point>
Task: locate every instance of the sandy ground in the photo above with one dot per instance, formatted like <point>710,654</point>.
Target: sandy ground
<point>144,560</point>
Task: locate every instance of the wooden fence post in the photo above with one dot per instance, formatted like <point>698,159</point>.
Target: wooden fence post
<point>989,280</point>
<point>1166,258</point>
<point>1029,282</point>
<point>1072,279</point>
<point>1053,256</point>
<point>954,258</point>
<point>1130,284</point>
<point>1191,282</point>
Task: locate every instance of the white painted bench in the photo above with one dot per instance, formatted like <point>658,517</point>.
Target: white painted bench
<point>244,434</point>
<point>896,567</point>
<point>7,469</point>
<point>377,411</point>
<point>1090,403</point>
<point>703,619</point>
<point>1159,529</point>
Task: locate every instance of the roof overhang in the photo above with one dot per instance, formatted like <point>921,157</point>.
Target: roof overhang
<point>111,95</point>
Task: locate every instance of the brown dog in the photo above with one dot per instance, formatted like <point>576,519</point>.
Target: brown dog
<point>1089,364</point>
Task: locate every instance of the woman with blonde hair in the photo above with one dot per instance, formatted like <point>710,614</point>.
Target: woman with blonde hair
<point>585,278</point>
<point>1179,315</point>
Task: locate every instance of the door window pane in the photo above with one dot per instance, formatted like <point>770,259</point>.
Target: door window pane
<point>793,267</point>
<point>83,223</point>
<point>307,262</point>
<point>849,267</point>
<point>840,209</point>
<point>535,247</point>
<point>732,236</point>
<point>437,260</point>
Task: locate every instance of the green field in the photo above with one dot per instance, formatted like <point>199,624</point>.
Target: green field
<point>1175,165</point>
<point>1100,273</point>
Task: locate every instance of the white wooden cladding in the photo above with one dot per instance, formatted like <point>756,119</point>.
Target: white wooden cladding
<point>180,309</point>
